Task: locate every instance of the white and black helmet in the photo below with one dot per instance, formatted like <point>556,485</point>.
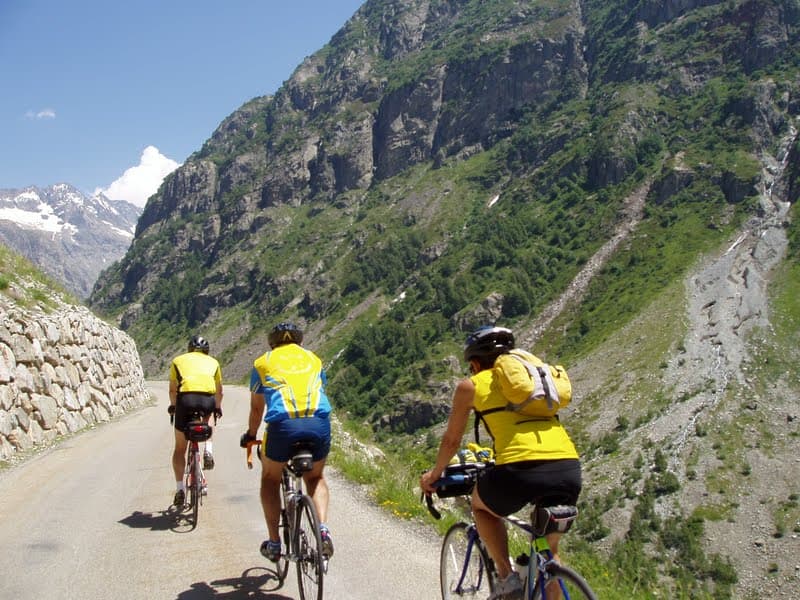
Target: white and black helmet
<point>198,343</point>
<point>488,342</point>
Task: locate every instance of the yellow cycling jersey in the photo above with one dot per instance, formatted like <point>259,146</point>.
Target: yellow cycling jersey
<point>517,437</point>
<point>195,372</point>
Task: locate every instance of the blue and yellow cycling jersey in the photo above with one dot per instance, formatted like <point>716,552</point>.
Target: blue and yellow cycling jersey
<point>292,381</point>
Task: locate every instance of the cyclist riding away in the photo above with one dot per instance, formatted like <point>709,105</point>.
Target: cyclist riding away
<point>195,384</point>
<point>289,381</point>
<point>535,459</point>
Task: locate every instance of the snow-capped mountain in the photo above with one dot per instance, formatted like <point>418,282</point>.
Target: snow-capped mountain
<point>72,237</point>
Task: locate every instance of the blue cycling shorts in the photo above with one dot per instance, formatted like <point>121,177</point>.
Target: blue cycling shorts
<point>281,435</point>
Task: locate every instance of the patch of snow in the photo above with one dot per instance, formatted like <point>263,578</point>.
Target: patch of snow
<point>122,232</point>
<point>43,220</point>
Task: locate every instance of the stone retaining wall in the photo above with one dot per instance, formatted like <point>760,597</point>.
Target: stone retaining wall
<point>61,371</point>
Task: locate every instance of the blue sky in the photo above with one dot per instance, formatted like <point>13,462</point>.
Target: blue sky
<point>111,95</point>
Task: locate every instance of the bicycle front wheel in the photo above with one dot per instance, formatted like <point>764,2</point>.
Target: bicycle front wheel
<point>562,582</point>
<point>465,570</point>
<point>282,568</point>
<point>308,548</point>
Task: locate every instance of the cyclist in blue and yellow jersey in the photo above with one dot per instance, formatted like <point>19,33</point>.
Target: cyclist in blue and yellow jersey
<point>289,382</point>
<point>195,384</point>
<point>535,459</point>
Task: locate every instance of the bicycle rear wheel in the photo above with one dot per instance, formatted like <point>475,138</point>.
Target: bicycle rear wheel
<point>308,546</point>
<point>563,583</point>
<point>195,484</point>
<point>465,570</point>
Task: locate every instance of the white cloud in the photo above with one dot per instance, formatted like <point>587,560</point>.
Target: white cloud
<point>138,183</point>
<point>45,113</point>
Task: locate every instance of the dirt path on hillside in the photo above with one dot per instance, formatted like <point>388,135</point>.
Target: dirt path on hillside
<point>631,215</point>
<point>727,304</point>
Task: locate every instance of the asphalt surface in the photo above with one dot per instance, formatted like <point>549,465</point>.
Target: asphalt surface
<point>89,519</point>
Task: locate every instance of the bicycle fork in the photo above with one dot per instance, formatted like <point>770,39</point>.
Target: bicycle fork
<point>473,537</point>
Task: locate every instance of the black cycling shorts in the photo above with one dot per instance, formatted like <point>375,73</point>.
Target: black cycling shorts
<point>505,489</point>
<point>189,402</point>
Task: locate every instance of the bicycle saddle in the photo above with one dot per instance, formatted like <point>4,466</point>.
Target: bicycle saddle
<point>301,460</point>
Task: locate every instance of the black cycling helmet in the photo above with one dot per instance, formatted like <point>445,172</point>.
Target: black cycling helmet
<point>488,342</point>
<point>198,343</point>
<point>285,333</point>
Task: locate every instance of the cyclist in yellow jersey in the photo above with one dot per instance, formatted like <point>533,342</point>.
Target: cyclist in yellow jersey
<point>195,383</point>
<point>535,458</point>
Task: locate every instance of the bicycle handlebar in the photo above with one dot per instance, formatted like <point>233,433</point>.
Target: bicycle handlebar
<point>454,479</point>
<point>460,483</point>
<point>431,508</point>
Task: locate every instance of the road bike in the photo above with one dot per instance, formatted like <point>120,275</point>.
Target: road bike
<point>467,571</point>
<point>196,431</point>
<point>299,524</point>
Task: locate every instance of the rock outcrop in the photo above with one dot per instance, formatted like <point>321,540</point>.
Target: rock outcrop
<point>61,369</point>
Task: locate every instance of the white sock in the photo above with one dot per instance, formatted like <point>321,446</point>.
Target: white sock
<point>180,486</point>
<point>209,448</point>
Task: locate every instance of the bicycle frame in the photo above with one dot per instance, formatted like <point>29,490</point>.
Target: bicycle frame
<point>536,575</point>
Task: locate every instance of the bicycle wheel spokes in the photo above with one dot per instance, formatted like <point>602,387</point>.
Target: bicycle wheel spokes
<point>308,547</point>
<point>463,566</point>
<point>564,583</point>
<point>282,568</point>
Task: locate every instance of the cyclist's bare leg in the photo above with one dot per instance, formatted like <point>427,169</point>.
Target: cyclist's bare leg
<point>553,591</point>
<point>492,530</point>
<point>552,541</point>
<point>271,472</point>
<point>208,445</point>
<point>317,488</point>
<point>179,455</point>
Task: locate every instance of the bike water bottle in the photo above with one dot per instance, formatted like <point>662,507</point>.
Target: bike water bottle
<point>522,562</point>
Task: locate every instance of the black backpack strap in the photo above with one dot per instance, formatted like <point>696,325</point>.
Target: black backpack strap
<point>479,417</point>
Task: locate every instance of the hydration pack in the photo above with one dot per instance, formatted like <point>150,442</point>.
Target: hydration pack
<point>532,387</point>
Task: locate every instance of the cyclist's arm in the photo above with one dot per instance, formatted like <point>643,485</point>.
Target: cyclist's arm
<point>173,392</point>
<point>218,395</point>
<point>218,392</point>
<point>463,399</point>
<point>256,413</point>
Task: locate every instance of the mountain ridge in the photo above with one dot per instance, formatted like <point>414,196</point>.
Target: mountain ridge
<point>69,235</point>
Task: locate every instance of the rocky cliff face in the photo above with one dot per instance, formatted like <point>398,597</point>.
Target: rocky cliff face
<point>61,369</point>
<point>343,121</point>
<point>413,82</point>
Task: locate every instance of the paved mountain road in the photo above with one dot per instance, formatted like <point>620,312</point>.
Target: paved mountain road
<point>88,520</point>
